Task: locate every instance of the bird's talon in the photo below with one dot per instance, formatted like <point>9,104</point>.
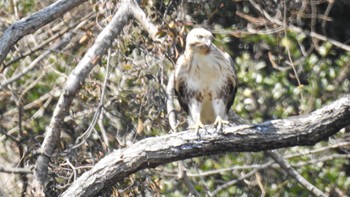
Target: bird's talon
<point>196,127</point>
<point>219,122</point>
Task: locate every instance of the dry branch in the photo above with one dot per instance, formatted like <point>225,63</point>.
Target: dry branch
<point>73,84</point>
<point>59,45</point>
<point>15,170</point>
<point>76,79</point>
<point>312,34</point>
<point>33,22</point>
<point>294,131</point>
<point>294,174</point>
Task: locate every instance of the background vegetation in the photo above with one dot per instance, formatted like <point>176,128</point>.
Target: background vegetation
<point>291,57</point>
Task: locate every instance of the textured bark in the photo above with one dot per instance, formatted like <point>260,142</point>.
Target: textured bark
<point>151,152</point>
<point>33,22</point>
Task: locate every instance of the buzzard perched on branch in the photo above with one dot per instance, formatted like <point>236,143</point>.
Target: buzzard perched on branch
<point>205,81</point>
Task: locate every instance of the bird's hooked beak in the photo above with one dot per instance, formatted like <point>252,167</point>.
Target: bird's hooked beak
<point>202,46</point>
<point>207,42</point>
<point>205,46</point>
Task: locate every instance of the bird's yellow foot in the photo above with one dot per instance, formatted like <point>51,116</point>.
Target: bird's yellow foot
<point>197,126</point>
<point>219,122</point>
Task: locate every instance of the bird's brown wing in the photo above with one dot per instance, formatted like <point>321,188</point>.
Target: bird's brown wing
<point>230,88</point>
<point>182,96</point>
<point>231,91</point>
<point>181,86</point>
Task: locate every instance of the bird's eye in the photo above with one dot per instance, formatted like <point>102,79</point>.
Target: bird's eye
<point>199,36</point>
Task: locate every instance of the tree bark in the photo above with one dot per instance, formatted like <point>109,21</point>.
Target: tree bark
<point>32,23</point>
<point>304,130</point>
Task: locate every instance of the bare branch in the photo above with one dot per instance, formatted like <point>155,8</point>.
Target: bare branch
<point>294,174</point>
<point>59,45</point>
<point>312,34</point>
<point>16,170</point>
<point>75,25</point>
<point>141,17</point>
<point>294,131</point>
<point>33,22</point>
<point>232,182</point>
<point>170,102</point>
<point>74,82</point>
<point>182,175</point>
<point>72,86</point>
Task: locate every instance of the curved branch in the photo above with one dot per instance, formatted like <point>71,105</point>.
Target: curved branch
<point>151,152</point>
<point>127,9</point>
<point>73,85</point>
<point>33,22</point>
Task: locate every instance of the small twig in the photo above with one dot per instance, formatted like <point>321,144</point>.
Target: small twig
<point>256,21</point>
<point>294,174</point>
<point>16,170</point>
<point>33,22</point>
<point>35,115</point>
<point>322,159</point>
<point>232,182</point>
<point>287,46</point>
<point>233,168</point>
<point>289,53</point>
<point>182,175</point>
<point>313,22</point>
<point>63,42</point>
<point>73,169</point>
<point>326,13</point>
<point>46,42</point>
<point>299,30</point>
<point>261,185</point>
<point>308,152</point>
<point>301,11</point>
<point>31,84</point>
<point>170,92</point>
<point>103,130</point>
<point>82,138</point>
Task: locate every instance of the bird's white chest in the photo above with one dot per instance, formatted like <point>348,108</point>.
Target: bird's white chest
<point>206,74</point>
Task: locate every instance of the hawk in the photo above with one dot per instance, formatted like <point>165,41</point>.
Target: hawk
<point>205,81</point>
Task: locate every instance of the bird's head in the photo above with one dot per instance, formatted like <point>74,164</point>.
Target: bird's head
<point>199,40</point>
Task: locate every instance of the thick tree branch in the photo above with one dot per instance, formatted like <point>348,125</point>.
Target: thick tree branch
<point>33,22</point>
<point>76,79</point>
<point>151,152</point>
<point>73,84</point>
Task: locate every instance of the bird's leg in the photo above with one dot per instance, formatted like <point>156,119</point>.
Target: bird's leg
<point>220,112</point>
<point>219,122</point>
<point>197,126</point>
<point>195,116</point>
